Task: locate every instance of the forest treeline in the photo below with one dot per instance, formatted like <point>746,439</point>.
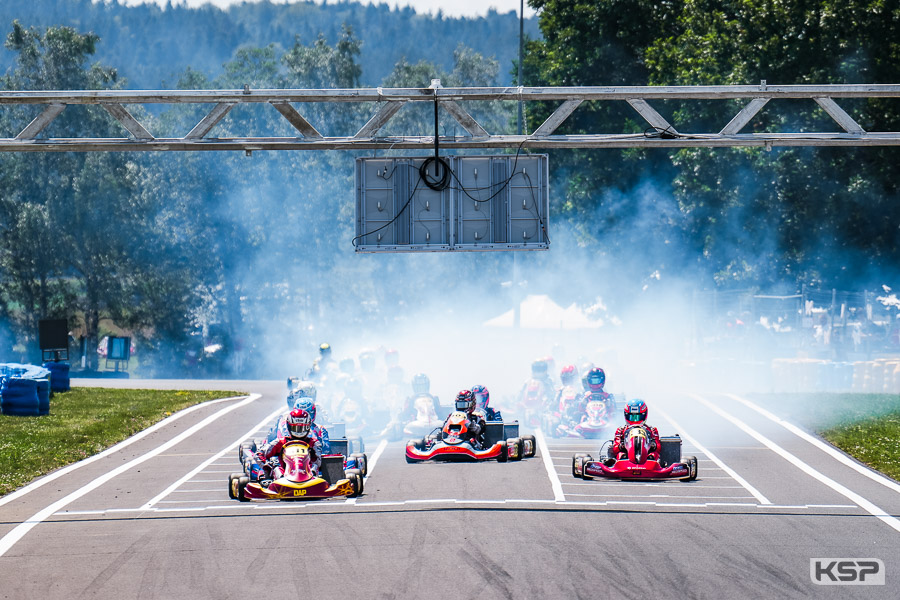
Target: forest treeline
<point>166,245</point>
<point>151,45</point>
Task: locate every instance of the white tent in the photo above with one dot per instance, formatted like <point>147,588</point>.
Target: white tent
<point>540,312</point>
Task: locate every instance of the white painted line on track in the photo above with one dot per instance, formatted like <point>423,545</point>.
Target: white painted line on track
<point>7,541</point>
<point>828,449</point>
<point>375,456</point>
<point>722,466</point>
<point>866,505</point>
<point>330,504</point>
<point>123,444</point>
<point>215,457</point>
<point>558,494</point>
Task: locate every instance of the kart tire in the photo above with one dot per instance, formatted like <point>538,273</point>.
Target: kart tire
<point>362,462</point>
<point>357,482</point>
<point>504,453</point>
<point>691,462</point>
<point>241,483</point>
<point>231,489</point>
<point>575,457</point>
<point>532,441</point>
<point>249,446</point>
<point>516,446</point>
<point>351,473</point>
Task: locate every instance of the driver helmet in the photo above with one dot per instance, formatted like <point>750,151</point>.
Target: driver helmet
<point>568,374</point>
<point>465,401</point>
<point>298,424</point>
<point>482,397</point>
<point>325,350</point>
<point>551,363</point>
<point>306,389</point>
<point>595,379</point>
<point>539,368</point>
<point>636,412</point>
<point>421,384</point>
<point>308,405</point>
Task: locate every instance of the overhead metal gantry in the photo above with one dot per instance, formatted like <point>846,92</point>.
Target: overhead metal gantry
<point>386,102</point>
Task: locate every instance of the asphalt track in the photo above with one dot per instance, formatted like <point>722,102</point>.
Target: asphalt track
<point>152,519</point>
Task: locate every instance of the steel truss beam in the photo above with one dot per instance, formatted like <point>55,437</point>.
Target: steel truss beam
<point>387,102</point>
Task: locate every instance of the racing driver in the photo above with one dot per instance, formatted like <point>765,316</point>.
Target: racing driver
<point>298,426</point>
<point>635,416</point>
<point>465,402</point>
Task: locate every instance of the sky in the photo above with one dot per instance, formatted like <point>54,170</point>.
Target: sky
<point>450,8</point>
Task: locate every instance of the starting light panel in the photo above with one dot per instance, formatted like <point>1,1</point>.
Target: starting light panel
<point>489,203</point>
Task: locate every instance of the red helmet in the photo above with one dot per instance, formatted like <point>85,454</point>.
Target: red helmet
<point>465,401</point>
<point>299,422</point>
<point>568,375</point>
<point>595,379</point>
<point>636,412</point>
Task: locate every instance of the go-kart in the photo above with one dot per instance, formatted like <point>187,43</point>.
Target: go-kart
<point>425,421</point>
<point>299,480</point>
<point>594,422</point>
<point>453,441</point>
<point>637,461</point>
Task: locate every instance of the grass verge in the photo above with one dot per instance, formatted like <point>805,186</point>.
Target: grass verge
<point>865,426</point>
<point>81,423</point>
<point>874,441</point>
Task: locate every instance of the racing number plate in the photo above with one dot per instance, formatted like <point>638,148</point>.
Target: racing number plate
<point>635,471</point>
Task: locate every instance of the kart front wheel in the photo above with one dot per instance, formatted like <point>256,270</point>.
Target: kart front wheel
<point>238,485</point>
<point>691,462</point>
<point>356,481</point>
<point>578,465</point>
<point>356,473</point>
<point>515,448</point>
<point>504,452</point>
<point>232,489</point>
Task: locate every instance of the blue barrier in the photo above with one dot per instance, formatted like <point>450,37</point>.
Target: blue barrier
<point>24,390</point>
<point>59,376</point>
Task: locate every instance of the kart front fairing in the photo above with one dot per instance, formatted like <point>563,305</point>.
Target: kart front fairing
<point>625,469</point>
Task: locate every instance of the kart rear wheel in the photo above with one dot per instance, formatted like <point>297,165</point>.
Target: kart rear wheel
<point>239,484</point>
<point>530,443</point>
<point>249,446</point>
<point>362,462</point>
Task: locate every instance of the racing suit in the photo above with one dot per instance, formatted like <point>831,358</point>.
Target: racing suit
<point>491,414</point>
<point>477,428</point>
<point>617,450</point>
<point>269,454</point>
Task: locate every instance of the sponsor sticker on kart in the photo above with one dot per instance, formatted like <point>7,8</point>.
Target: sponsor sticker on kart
<point>636,471</point>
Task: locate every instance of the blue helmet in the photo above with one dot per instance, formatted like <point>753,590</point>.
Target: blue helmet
<point>636,412</point>
<point>308,405</point>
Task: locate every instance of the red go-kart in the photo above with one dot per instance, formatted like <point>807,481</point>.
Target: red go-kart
<point>453,441</point>
<point>637,461</point>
